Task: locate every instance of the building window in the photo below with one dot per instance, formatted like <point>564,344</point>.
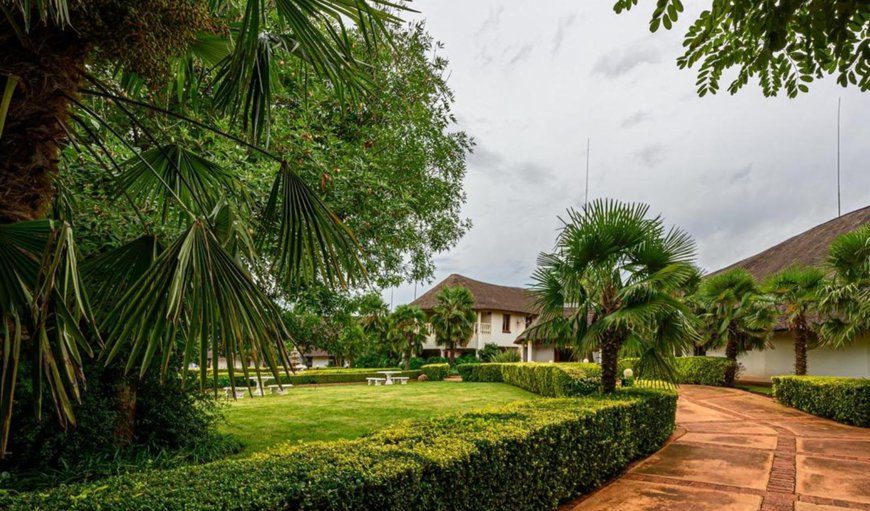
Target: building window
<point>506,323</point>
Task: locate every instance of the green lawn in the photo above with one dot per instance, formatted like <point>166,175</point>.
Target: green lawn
<point>349,411</point>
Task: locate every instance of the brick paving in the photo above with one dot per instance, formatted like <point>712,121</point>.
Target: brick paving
<point>736,451</point>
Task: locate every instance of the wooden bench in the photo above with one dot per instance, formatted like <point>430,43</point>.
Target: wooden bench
<point>376,381</point>
<point>401,379</point>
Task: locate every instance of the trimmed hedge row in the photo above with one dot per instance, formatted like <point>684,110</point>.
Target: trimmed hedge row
<point>311,377</point>
<point>693,370</point>
<point>436,372</point>
<point>525,456</point>
<point>545,379</point>
<point>844,400</point>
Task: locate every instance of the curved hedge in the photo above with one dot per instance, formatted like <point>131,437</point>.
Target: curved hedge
<point>545,379</point>
<point>436,372</point>
<point>844,400</point>
<point>525,456</point>
<point>694,370</point>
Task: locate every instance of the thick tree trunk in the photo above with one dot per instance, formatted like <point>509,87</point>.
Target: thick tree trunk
<point>452,354</point>
<point>49,66</point>
<point>609,364</point>
<point>126,427</point>
<point>731,354</point>
<point>800,351</point>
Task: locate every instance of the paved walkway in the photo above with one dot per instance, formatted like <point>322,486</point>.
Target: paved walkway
<point>737,451</point>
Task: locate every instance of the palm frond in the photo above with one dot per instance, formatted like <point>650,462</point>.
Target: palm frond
<point>197,287</point>
<point>42,298</point>
<point>310,243</point>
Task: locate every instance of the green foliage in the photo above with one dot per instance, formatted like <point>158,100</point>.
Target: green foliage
<point>453,318</point>
<point>414,465</point>
<point>407,331</point>
<point>489,351</point>
<point>544,379</point>
<point>786,44</point>
<point>844,400</point>
<point>797,291</point>
<point>468,358</point>
<point>845,301</point>
<point>316,376</point>
<point>712,371</point>
<point>507,356</point>
<point>614,277</point>
<point>436,372</point>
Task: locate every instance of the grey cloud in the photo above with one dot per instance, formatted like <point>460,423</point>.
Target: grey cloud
<point>492,21</point>
<point>636,118</point>
<point>495,165</point>
<point>741,175</point>
<point>619,62</point>
<point>521,54</point>
<point>562,26</point>
<point>651,155</point>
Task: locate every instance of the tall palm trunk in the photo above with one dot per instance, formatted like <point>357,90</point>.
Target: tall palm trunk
<point>48,64</point>
<point>609,363</point>
<point>800,350</point>
<point>452,354</point>
<point>731,354</point>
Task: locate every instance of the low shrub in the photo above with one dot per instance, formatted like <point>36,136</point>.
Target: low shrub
<point>545,379</point>
<point>436,372</point>
<point>417,362</point>
<point>507,357</point>
<point>312,377</point>
<point>555,449</point>
<point>437,360</point>
<point>844,400</point>
<point>466,359</point>
<point>692,370</point>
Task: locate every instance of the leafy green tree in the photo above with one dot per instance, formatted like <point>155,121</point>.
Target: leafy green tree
<point>785,44</point>
<point>453,318</point>
<point>613,278</point>
<point>71,70</point>
<point>797,292</point>
<point>489,351</point>
<point>408,331</point>
<point>845,302</point>
<point>740,317</point>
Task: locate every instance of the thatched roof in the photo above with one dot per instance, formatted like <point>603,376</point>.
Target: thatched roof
<point>808,248</point>
<point>486,296</point>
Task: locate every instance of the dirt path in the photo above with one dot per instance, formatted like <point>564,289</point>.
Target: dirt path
<point>738,451</point>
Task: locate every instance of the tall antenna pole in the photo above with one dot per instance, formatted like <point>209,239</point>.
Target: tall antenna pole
<point>839,210</point>
<point>586,201</point>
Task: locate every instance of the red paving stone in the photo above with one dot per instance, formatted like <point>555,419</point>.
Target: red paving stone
<point>737,451</point>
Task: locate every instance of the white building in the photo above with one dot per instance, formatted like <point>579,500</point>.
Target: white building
<point>503,312</point>
<point>808,248</point>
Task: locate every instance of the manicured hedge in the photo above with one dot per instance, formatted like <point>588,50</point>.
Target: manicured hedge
<point>312,377</point>
<point>525,456</point>
<point>844,400</point>
<point>545,379</point>
<point>436,372</point>
<point>693,370</point>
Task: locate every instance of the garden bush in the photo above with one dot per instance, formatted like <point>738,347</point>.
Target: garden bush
<point>545,379</point>
<point>692,370</point>
<point>436,372</point>
<point>466,359</point>
<point>844,400</point>
<point>555,449</point>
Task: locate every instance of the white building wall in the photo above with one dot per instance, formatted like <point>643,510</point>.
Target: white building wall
<point>851,361</point>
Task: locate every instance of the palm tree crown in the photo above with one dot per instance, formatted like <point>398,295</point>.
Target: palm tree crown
<point>614,277</point>
<point>797,292</point>
<point>453,318</point>
<point>846,299</point>
<point>408,327</point>
<point>740,318</point>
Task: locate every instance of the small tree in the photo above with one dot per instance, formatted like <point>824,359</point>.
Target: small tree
<point>453,318</point>
<point>797,291</point>
<point>614,276</point>
<point>407,330</point>
<point>740,318</point>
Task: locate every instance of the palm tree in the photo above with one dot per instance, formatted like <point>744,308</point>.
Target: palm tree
<point>845,302</point>
<point>613,278</point>
<point>453,318</point>
<point>739,317</point>
<point>797,291</point>
<point>408,331</point>
<point>68,72</point>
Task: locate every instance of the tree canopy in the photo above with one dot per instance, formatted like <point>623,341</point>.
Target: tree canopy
<point>786,45</point>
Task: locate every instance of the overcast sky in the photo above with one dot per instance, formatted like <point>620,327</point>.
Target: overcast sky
<point>533,80</point>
